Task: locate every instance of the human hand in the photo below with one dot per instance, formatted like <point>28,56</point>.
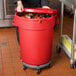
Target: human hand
<point>19,6</point>
<point>46,7</point>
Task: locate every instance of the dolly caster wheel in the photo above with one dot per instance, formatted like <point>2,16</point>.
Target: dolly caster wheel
<point>49,65</point>
<point>24,67</point>
<point>58,49</point>
<point>71,15</point>
<point>38,71</point>
<point>54,26</point>
<point>71,66</point>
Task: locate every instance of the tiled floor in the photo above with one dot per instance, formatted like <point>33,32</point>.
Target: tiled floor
<point>10,63</point>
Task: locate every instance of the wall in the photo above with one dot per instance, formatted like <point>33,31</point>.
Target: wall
<point>4,22</point>
<point>1,9</point>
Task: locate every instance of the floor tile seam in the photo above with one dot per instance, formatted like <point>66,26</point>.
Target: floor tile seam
<point>2,62</point>
<point>19,55</point>
<point>11,57</point>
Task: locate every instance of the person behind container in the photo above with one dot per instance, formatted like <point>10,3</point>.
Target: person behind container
<point>30,4</point>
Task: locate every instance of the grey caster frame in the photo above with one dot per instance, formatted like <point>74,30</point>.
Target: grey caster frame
<point>25,66</point>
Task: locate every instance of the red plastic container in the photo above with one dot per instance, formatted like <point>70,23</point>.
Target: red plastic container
<point>36,37</point>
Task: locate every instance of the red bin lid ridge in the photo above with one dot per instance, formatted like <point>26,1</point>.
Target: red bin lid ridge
<point>40,10</point>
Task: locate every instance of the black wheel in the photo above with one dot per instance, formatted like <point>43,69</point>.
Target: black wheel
<point>55,26</point>
<point>71,65</point>
<point>24,67</point>
<point>49,65</point>
<point>71,15</point>
<point>38,71</point>
<point>58,49</point>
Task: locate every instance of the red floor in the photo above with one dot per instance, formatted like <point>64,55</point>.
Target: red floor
<point>10,63</point>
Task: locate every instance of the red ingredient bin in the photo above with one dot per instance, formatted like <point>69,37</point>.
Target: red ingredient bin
<point>36,37</point>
